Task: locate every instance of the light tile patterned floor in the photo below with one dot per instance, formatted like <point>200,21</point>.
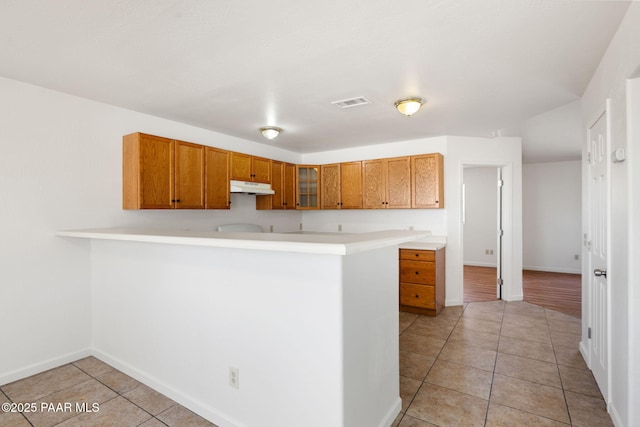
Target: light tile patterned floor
<point>496,364</point>
<point>122,401</point>
<point>484,364</point>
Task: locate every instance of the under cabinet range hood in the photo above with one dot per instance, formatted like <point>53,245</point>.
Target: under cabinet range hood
<point>250,187</point>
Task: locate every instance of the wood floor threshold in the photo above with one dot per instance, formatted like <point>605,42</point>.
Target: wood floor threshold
<point>557,291</point>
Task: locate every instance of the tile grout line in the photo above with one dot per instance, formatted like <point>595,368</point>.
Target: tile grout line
<point>493,376</point>
<point>564,392</point>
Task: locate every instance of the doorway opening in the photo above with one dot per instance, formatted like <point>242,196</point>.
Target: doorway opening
<point>482,233</point>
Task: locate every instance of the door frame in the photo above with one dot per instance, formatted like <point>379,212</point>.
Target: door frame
<point>508,291</point>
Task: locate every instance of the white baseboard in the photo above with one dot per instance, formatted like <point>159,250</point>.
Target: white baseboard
<point>584,351</point>
<point>200,408</point>
<point>453,302</point>
<point>615,415</point>
<point>552,269</point>
<point>37,368</point>
<point>392,413</point>
<point>518,297</point>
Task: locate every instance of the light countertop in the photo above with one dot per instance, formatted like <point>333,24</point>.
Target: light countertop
<point>428,246</point>
<point>316,243</point>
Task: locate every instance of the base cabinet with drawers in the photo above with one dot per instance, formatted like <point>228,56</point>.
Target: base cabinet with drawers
<point>422,281</point>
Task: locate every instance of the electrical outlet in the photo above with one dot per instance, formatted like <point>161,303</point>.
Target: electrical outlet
<point>576,257</point>
<point>300,226</point>
<point>490,251</point>
<point>411,228</point>
<point>271,229</point>
<point>234,377</point>
<point>339,227</point>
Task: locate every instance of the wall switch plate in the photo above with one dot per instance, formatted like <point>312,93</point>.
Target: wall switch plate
<point>234,377</point>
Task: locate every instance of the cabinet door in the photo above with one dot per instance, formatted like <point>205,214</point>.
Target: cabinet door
<point>241,167</point>
<point>261,170</point>
<point>217,178</point>
<point>307,187</point>
<point>330,189</point>
<point>373,184</point>
<point>189,175</point>
<point>156,172</point>
<point>351,185</point>
<point>427,181</point>
<point>398,182</point>
<point>277,184</point>
<point>289,186</point>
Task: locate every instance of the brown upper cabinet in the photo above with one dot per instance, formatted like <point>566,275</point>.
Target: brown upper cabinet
<point>341,186</point>
<point>245,167</point>
<point>387,183</point>
<point>217,194</point>
<point>427,181</point>
<point>283,182</point>
<point>161,173</point>
<point>307,187</point>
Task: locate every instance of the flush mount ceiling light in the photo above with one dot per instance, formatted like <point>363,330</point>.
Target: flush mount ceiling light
<point>409,106</point>
<point>270,132</point>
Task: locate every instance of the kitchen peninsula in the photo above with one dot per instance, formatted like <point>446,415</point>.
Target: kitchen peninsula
<point>309,321</point>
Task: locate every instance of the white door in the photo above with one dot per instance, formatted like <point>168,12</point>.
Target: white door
<point>599,198</point>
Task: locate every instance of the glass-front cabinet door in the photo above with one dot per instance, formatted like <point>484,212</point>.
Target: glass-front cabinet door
<point>308,187</point>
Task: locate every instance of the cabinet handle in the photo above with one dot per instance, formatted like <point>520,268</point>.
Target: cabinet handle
<point>417,272</point>
<point>417,254</point>
<point>417,296</point>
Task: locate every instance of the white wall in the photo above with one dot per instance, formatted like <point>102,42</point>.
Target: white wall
<point>507,154</point>
<point>61,168</point>
<point>555,135</point>
<point>620,62</point>
<point>481,216</point>
<point>551,216</point>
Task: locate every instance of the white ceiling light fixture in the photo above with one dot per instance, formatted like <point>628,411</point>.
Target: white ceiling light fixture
<point>409,106</point>
<point>270,132</point>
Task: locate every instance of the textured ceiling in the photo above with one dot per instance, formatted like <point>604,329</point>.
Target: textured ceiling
<point>232,67</point>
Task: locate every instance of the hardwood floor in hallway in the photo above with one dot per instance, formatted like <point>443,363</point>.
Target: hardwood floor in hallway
<point>557,291</point>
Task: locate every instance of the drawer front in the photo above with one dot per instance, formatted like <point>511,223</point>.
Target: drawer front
<point>417,295</point>
<point>417,255</point>
<point>418,272</point>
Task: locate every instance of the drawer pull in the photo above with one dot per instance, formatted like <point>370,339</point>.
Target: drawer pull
<point>417,272</point>
<point>417,296</point>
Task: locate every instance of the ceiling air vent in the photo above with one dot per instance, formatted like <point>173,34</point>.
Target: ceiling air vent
<point>352,102</point>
